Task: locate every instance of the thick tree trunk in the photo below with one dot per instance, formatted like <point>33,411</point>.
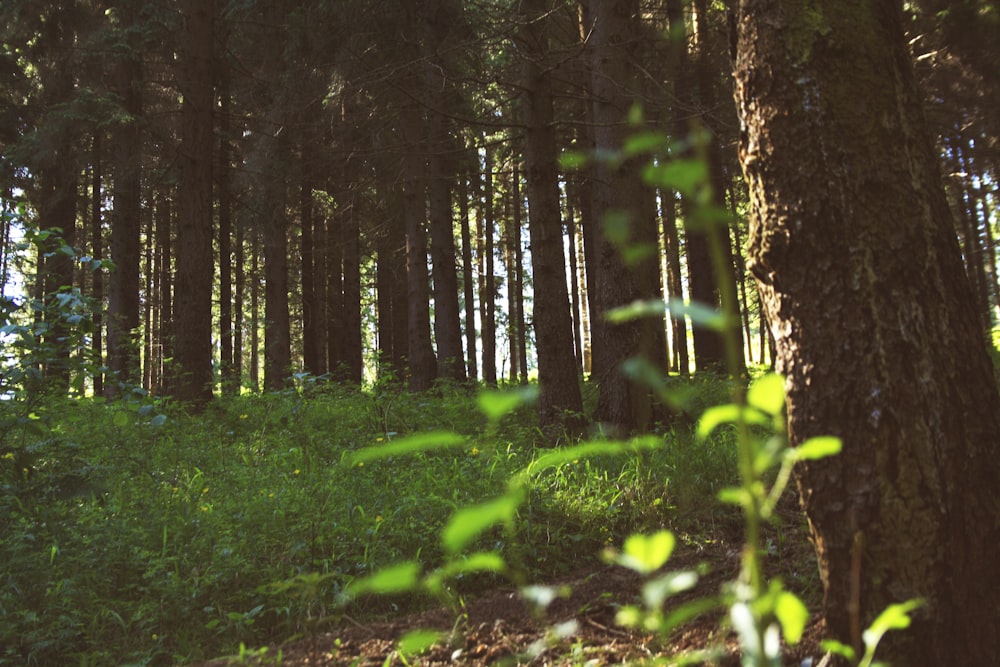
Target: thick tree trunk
<point>193,280</point>
<point>123,303</point>
<point>627,224</point>
<point>277,321</point>
<point>854,249</point>
<point>391,284</point>
<point>422,362</point>
<point>559,399</point>
<point>447,321</point>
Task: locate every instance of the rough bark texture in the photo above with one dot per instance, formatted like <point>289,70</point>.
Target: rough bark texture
<point>559,388</point>
<point>123,305</point>
<point>193,280</point>
<point>422,362</point>
<point>877,331</point>
<point>627,225</point>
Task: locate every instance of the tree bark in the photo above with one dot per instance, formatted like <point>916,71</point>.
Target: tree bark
<point>675,284</point>
<point>487,273</point>
<point>193,279</point>
<point>559,398</point>
<point>123,304</point>
<point>468,279</point>
<point>422,363</point>
<point>854,249</point>
<point>351,239</point>
<point>97,252</point>
<point>229,372</point>
<point>627,225</point>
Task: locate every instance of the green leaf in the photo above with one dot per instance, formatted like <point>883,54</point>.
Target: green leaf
<point>838,648</point>
<point>120,420</point>
<point>393,579</point>
<point>792,614</point>
<point>685,176</point>
<point>730,413</point>
<point>645,142</point>
<point>736,495</point>
<point>573,160</point>
<point>158,420</point>
<point>497,404</point>
<point>895,617</point>
<point>647,553</point>
<point>416,642</point>
<point>767,394</point>
<point>411,444</point>
<point>817,448</point>
<point>467,523</point>
<point>700,314</point>
<point>558,457</point>
<point>636,310</point>
<point>481,561</point>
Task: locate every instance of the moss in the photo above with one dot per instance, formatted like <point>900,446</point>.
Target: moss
<point>807,24</point>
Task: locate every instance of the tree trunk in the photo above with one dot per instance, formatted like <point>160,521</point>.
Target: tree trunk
<point>627,225</point>
<point>447,322</point>
<point>351,238</point>
<point>312,319</point>
<point>487,272</point>
<point>97,252</point>
<point>277,321</point>
<point>574,285</point>
<point>163,347</point>
<point>853,246</point>
<point>193,279</point>
<point>229,372</point>
<point>675,283</point>
<point>391,283</point>
<point>468,279</point>
<point>422,363</point>
<point>520,339</point>
<point>123,303</point>
<point>239,299</point>
<point>559,399</point>
<point>255,280</point>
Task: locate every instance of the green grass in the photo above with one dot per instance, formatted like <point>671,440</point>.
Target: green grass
<point>136,534</point>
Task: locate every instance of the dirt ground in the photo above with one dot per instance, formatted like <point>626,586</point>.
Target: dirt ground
<point>499,628</point>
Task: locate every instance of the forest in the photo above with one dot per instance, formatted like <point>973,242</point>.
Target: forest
<point>321,314</point>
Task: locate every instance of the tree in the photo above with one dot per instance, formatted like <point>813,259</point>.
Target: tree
<point>558,384</point>
<point>627,225</point>
<point>123,306</point>
<point>853,247</point>
<point>192,310</point>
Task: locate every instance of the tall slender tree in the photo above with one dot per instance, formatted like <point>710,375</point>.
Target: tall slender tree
<point>559,399</point>
<point>194,276</point>
<point>124,288</point>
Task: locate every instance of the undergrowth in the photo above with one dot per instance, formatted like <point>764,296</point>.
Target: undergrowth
<point>134,534</point>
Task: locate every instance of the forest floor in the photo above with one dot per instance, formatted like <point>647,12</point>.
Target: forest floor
<point>499,628</point>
